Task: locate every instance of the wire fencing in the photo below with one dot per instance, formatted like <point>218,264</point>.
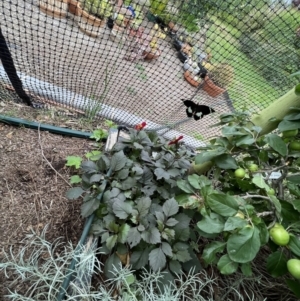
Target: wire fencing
<point>135,60</point>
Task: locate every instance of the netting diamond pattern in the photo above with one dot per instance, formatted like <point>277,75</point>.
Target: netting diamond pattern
<point>135,60</point>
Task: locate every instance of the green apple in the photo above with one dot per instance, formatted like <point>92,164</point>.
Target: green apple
<point>291,133</point>
<point>279,236</point>
<point>240,173</point>
<point>295,145</point>
<point>253,167</point>
<point>293,266</point>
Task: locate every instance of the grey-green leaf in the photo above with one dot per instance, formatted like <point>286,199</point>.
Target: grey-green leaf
<point>134,237</point>
<point>161,174</point>
<point>118,161</point>
<point>157,259</point>
<point>166,248</point>
<point>74,193</point>
<point>111,241</point>
<point>122,209</point>
<point>175,267</point>
<point>143,206</point>
<point>151,236</point>
<point>87,208</point>
<point>170,207</point>
<point>139,259</point>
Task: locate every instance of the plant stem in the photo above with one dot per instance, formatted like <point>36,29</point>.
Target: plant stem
<point>269,118</point>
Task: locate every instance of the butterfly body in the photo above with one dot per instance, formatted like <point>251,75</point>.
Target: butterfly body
<point>195,110</point>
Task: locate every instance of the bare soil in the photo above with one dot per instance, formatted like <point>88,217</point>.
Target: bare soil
<point>34,180</point>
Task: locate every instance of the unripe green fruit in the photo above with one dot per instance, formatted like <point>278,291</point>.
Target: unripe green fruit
<point>279,236</point>
<point>240,173</point>
<point>253,167</point>
<point>295,145</point>
<point>293,266</point>
<point>291,133</point>
<point>271,192</point>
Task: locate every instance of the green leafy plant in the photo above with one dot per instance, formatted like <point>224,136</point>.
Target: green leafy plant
<point>139,214</point>
<point>237,212</point>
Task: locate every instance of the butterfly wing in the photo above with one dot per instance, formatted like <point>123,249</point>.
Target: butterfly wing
<point>190,107</point>
<point>202,110</point>
<point>189,112</point>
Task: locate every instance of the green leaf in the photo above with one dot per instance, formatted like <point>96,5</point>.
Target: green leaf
<point>166,248</point>
<point>296,204</point>
<point>294,245</point>
<point>157,259</point>
<point>123,233</point>
<point>263,233</point>
<point>246,140</point>
<point>246,269</point>
<point>243,246</point>
<point>170,207</point>
<point>286,125</point>
<point>143,206</point>
<point>74,161</point>
<point>171,222</point>
<point>75,179</point>
<point>277,144</point>
<point>93,155</point>
<point>99,134</point>
<point>276,264</point>
<point>225,161</point>
<point>233,223</point>
<point>295,74</point>
<point>182,255</point>
<point>89,167</point>
<point>231,131</point>
<point>74,193</point>
<point>122,209</point>
<point>226,266</point>
<point>211,225</point>
<point>276,203</point>
<point>161,174</point>
<point>194,181</point>
<point>111,241</point>
<point>134,237</point>
<point>208,156</point>
<point>297,89</point>
<point>139,259</point>
<point>294,284</point>
<point>175,267</point>
<point>210,251</point>
<point>118,161</point>
<point>193,265</point>
<point>222,204</point>
<point>128,183</point>
<point>123,174</point>
<point>96,178</point>
<point>185,186</point>
<point>110,263</point>
<point>292,116</point>
<point>259,181</point>
<point>151,236</point>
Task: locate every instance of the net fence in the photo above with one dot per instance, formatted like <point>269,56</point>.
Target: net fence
<point>135,60</point>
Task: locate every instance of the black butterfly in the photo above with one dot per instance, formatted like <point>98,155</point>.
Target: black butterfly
<point>195,110</point>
